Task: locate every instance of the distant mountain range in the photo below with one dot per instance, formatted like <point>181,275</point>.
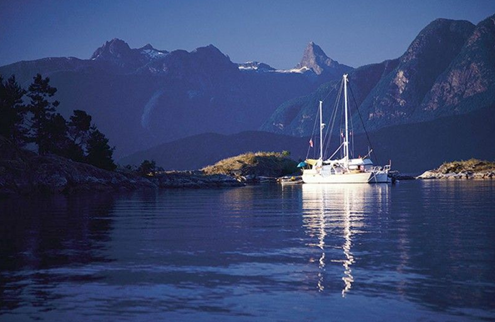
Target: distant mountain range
<point>144,97</point>
<point>413,148</point>
<point>449,69</point>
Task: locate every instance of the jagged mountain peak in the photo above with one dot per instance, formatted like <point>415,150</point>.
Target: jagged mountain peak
<point>315,59</point>
<point>207,60</point>
<point>115,48</point>
<point>119,53</point>
<point>116,42</point>
<point>315,50</point>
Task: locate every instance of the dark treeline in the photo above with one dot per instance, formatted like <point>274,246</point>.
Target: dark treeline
<point>30,116</point>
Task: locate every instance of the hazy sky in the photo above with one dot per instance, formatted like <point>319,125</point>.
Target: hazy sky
<point>275,32</point>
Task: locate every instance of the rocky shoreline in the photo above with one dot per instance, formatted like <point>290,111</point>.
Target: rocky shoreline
<point>53,174</point>
<point>25,172</point>
<point>193,179</point>
<point>431,174</point>
<point>471,170</point>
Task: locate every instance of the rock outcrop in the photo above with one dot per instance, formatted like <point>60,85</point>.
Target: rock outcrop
<point>193,179</point>
<point>471,169</point>
<point>25,172</point>
<point>251,167</point>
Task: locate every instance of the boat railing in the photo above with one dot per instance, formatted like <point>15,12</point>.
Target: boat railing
<point>380,169</point>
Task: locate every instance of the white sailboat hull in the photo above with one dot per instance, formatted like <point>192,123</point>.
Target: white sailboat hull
<point>312,176</point>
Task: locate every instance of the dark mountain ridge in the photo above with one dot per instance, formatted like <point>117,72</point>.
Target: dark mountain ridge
<point>447,70</point>
<point>118,52</point>
<point>142,97</point>
<point>469,82</point>
<point>395,98</point>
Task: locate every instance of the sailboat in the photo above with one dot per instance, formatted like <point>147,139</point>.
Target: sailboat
<point>345,169</point>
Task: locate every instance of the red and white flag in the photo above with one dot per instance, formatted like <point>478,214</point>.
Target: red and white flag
<point>311,142</point>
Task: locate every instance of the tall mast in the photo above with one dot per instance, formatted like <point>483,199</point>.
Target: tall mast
<point>321,130</point>
<point>346,142</point>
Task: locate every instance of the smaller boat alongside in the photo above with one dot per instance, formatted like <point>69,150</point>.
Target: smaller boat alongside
<point>290,180</point>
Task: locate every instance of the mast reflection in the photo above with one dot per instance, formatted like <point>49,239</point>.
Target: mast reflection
<point>349,259</point>
<point>334,215</point>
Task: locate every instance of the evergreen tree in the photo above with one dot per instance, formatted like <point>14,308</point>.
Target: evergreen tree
<point>76,139</point>
<point>99,152</point>
<point>147,168</point>
<point>42,110</point>
<point>79,126</point>
<point>12,111</point>
<point>57,141</point>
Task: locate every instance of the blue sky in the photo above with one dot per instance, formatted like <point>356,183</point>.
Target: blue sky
<point>275,32</point>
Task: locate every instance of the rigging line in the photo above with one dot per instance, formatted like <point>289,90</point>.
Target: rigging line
<point>352,135</point>
<point>362,123</point>
<point>314,126</point>
<point>329,91</point>
<point>333,117</point>
<point>337,150</point>
<point>311,138</point>
<point>342,125</point>
<point>352,138</point>
<point>336,107</point>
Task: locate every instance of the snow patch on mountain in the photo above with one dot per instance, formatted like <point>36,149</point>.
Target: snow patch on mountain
<point>152,53</point>
<point>301,70</point>
<point>254,66</point>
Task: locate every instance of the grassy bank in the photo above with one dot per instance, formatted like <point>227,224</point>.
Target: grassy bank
<point>259,164</point>
<point>470,169</point>
<point>472,165</point>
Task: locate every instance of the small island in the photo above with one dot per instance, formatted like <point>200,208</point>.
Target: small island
<point>259,166</point>
<point>470,169</point>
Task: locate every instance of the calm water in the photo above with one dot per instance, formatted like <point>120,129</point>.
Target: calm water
<point>417,251</point>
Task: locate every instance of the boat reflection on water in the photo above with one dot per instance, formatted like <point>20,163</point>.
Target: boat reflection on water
<point>335,215</point>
